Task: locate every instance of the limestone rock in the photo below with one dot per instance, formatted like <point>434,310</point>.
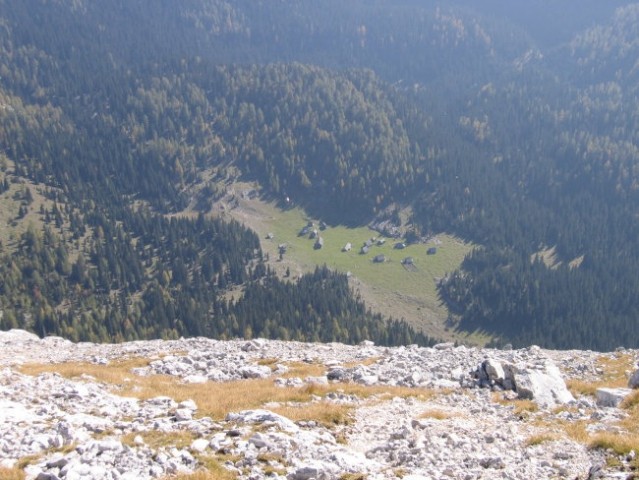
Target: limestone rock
<point>611,397</point>
<point>263,416</point>
<point>545,386</point>
<point>255,371</point>
<point>541,382</point>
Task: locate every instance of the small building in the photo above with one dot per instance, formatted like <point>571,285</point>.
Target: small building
<point>381,241</point>
<point>431,251</point>
<point>313,234</point>
<point>347,247</point>
<point>400,246</point>
<point>319,243</point>
<point>322,225</point>
<point>379,259</point>
<point>304,231</point>
<point>408,261</point>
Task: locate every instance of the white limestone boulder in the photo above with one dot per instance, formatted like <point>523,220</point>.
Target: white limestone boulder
<point>545,386</point>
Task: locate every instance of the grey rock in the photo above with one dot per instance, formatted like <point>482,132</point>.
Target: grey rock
<point>633,381</point>
<point>492,462</point>
<point>338,374</point>
<point>263,416</point>
<point>308,473</point>
<point>259,440</point>
<point>47,476</point>
<point>611,397</point>
<point>183,414</point>
<point>255,371</point>
<point>494,371</point>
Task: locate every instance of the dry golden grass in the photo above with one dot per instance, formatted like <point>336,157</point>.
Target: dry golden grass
<point>31,459</point>
<point>383,391</point>
<point>353,476</point>
<point>614,367</point>
<point>115,373</point>
<point>581,387</point>
<point>155,439</point>
<point>576,431</point>
<point>436,414</point>
<point>520,406</point>
<point>620,443</point>
<point>268,362</point>
<point>540,438</point>
<point>363,363</point>
<point>11,474</point>
<point>626,438</point>
<point>274,464</point>
<point>211,468</point>
<point>28,460</point>
<point>524,406</point>
<point>324,413</point>
<point>631,401</point>
<point>216,399</point>
<point>303,369</point>
<point>216,473</point>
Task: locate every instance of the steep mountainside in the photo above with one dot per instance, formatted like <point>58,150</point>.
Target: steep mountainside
<point>122,122</point>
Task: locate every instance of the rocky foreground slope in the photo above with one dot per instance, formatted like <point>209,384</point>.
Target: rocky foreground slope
<point>201,408</point>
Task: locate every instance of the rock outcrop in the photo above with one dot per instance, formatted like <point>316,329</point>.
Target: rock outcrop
<point>633,381</point>
<point>541,382</point>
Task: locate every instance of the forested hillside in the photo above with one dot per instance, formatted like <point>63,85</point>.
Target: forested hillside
<point>122,122</point>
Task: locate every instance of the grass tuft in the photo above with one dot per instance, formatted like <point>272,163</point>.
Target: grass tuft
<point>631,401</point>
<point>303,369</point>
<point>580,387</point>
<point>540,438</point>
<point>11,474</point>
<point>520,406</point>
<point>217,474</point>
<point>155,439</point>
<point>619,443</point>
<point>436,414</point>
<point>353,476</point>
<point>613,367</point>
<point>576,431</point>
<point>325,413</point>
<point>115,373</point>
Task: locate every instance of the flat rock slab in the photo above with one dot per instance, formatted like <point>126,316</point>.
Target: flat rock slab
<point>611,397</point>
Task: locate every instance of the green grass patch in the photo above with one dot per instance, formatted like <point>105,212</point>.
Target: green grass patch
<point>387,287</point>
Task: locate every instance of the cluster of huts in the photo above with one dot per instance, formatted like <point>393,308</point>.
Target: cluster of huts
<point>314,233</point>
